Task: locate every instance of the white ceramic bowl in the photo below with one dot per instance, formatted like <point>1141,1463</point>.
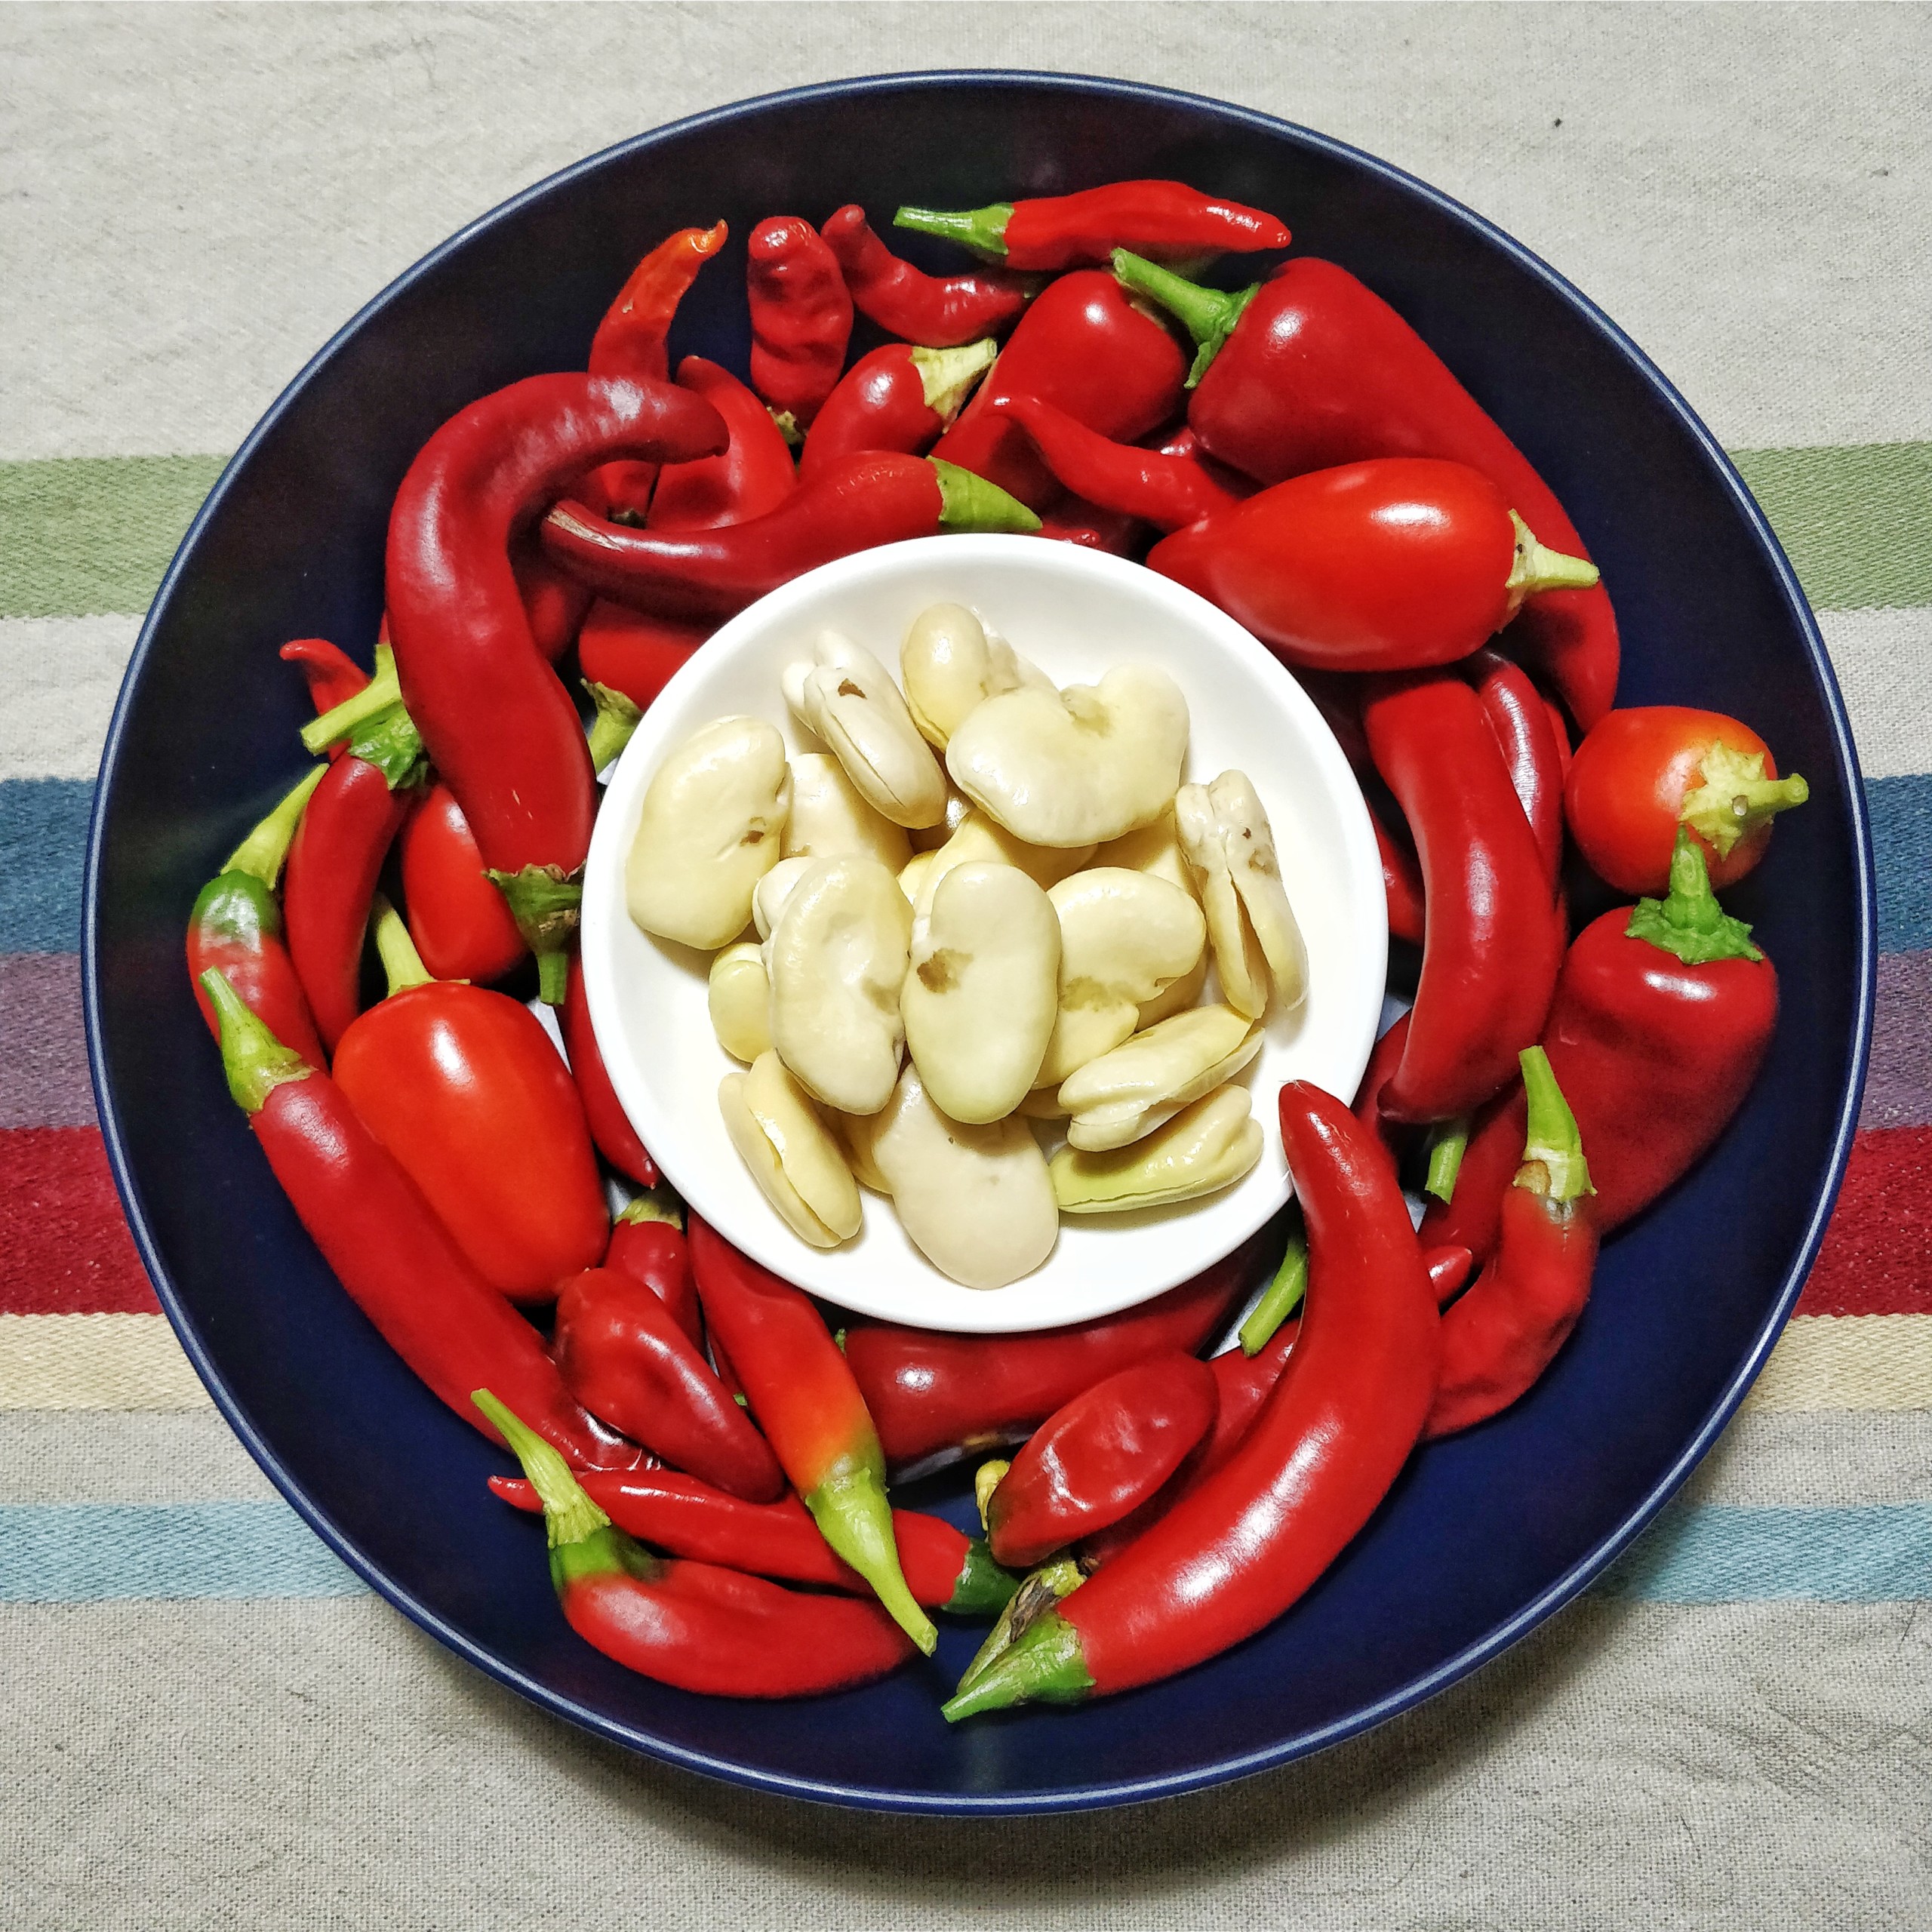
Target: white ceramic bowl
<point>1076,613</point>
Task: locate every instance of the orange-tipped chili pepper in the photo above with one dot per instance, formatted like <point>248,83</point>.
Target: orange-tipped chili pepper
<point>459,920</point>
<point>604,1113</point>
<point>634,653</point>
<point>1531,747</point>
<point>936,311</point>
<point>1229,1558</point>
<point>647,1243</point>
<point>802,316</point>
<point>804,1395</point>
<point>754,474</point>
<point>686,1623</point>
<point>895,399</point>
<point>1167,219</point>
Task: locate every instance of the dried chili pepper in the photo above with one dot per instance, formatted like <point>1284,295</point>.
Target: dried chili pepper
<point>804,1395</point>
<point>687,1623</point>
<point>802,316</point>
<point>629,651</point>
<point>609,1126</point>
<point>754,473</point>
<point>459,920</point>
<point>647,1243</point>
<point>936,311</point>
<point>895,399</point>
<point>1531,746</point>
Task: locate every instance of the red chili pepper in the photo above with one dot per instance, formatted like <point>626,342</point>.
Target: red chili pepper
<point>936,1396</point>
<point>1494,936</point>
<point>627,651</point>
<point>1520,720</point>
<point>1167,219</point>
<point>1310,368</point>
<point>1402,884</point>
<point>1505,1331</point>
<point>604,1113</point>
<point>459,920</point>
<point>1385,1057</point>
<point>1100,1457</point>
<point>864,500</point>
<point>936,311</point>
<point>692,1625</point>
<point>803,1394</point>
<point>945,1568</point>
<point>1233,1555</point>
<point>895,399</point>
<point>1070,519</point>
<point>501,729</point>
<point>755,474</point>
<point>333,676</point>
<point>1642,773</point>
<point>236,928</point>
<point>1392,564</point>
<point>554,602</point>
<point>802,316</point>
<point>397,1262</point>
<point>647,1243</point>
<point>1085,348</point>
<point>622,1356</point>
<point>464,1088</point>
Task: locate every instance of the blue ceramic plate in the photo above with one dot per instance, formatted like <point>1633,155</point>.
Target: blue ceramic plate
<point>1486,1534</point>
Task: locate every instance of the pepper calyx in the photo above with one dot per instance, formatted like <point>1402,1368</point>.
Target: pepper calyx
<point>1534,568</point>
<point>390,742</point>
<point>969,503</point>
<point>1039,1590</point>
<point>1688,922</point>
<point>1044,1665</point>
<point>654,1204</point>
<point>982,230</point>
<point>983,1586</point>
<point>260,855</point>
<point>1208,315</point>
<point>1735,797</point>
<point>254,1061</point>
<point>1553,1162</point>
<point>545,902</point>
<point>384,689</point>
<point>610,731</point>
<point>946,376</point>
<point>986,1478</point>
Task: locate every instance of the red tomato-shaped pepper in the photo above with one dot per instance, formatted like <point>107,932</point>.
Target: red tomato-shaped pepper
<point>463,1086</point>
<point>1642,772</point>
<point>461,922</point>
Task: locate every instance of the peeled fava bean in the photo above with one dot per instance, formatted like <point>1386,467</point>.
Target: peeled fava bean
<point>711,826</point>
<point>768,899</point>
<point>845,695</point>
<point>796,1164</point>
<point>836,960</point>
<point>1154,848</point>
<point>976,1201</point>
<point>982,993</point>
<point>1125,1094</point>
<point>1203,1148</point>
<point>950,664</point>
<point>1185,991</point>
<point>740,997</point>
<point>912,876</point>
<point>1074,767</point>
<point>830,820</point>
<point>978,841</point>
<point>930,838</point>
<point>1230,846</point>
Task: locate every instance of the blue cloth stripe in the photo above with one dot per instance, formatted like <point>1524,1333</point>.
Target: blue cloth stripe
<point>1902,847</point>
<point>1871,1553</point>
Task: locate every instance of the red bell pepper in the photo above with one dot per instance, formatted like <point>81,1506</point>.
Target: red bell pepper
<point>647,1243</point>
<point>895,399</point>
<point>604,1113</point>
<point>1167,219</point>
<point>690,1624</point>
<point>754,474</point>
<point>802,316</point>
<point>935,311</point>
<point>629,651</point>
<point>803,1394</point>
<point>459,920</point>
<point>1232,1556</point>
<point>1531,746</point>
<point>464,1088</point>
<point>1310,369</point>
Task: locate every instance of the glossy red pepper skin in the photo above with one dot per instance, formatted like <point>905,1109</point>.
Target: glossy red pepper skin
<point>653,1250</point>
<point>936,1396</point>
<point>932,311</point>
<point>1402,884</point>
<point>622,1356</point>
<point>464,1088</point>
<point>753,474</point>
<point>880,403</point>
<point>634,653</point>
<point>802,316</point>
<point>1100,1456</point>
<point>1493,939</point>
<point>1530,748</point>
<point>611,1129</point>
<point>235,928</point>
<point>331,674</point>
<point>1071,519</point>
<point>459,920</point>
<point>1385,1057</point>
<point>1084,347</point>
<point>498,725</point>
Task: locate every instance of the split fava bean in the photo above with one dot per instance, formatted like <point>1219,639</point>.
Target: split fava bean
<point>1125,1094</point>
<point>1203,1148</point>
<point>1230,848</point>
<point>711,826</point>
<point>845,695</point>
<point>739,997</point>
<point>830,820</point>
<point>799,1167</point>
<point>950,664</point>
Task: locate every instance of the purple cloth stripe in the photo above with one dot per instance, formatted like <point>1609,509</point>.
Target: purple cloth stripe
<point>1898,1093</point>
<point>43,1054</point>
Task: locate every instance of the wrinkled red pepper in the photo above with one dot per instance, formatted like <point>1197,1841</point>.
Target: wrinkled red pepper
<point>628,651</point>
<point>895,399</point>
<point>754,474</point>
<point>647,1243</point>
<point>802,316</point>
<point>935,311</point>
<point>1531,748</point>
<point>610,1128</point>
<point>459,920</point>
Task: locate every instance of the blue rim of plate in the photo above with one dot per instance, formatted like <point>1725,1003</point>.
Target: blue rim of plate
<point>1472,1656</point>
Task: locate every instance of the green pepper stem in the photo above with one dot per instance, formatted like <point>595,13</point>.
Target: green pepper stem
<point>1553,1162</point>
<point>1533,568</point>
<point>617,718</point>
<point>654,1204</point>
<point>1208,315</point>
<point>544,901</point>
<point>853,1515</point>
<point>382,690</point>
<point>1279,1298</point>
<point>983,1588</point>
<point>254,1061</point>
<point>569,1515</point>
<point>969,503</point>
<point>1039,1590</point>
<point>946,376</point>
<point>1688,922</point>
<point>260,854</point>
<point>1044,1666</point>
<point>401,963</point>
<point>1445,1157</point>
<point>983,230</point>
<point>1735,797</point>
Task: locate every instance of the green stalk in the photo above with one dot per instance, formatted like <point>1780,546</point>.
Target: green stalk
<point>402,965</point>
<point>1533,568</point>
<point>849,1505</point>
<point>969,503</point>
<point>1445,1157</point>
<point>1044,1666</point>
<point>382,690</point>
<point>617,718</point>
<point>1735,797</point>
<point>254,1061</point>
<point>261,853</point>
<point>946,376</point>
<point>1279,1298</point>
<point>983,230</point>
<point>1553,1162</point>
<point>1037,1594</point>
<point>1208,315</point>
<point>1688,921</point>
<point>544,901</point>
<point>983,1588</point>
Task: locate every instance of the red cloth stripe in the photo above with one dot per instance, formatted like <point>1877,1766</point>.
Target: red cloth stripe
<point>64,1245</point>
<point>1877,1258</point>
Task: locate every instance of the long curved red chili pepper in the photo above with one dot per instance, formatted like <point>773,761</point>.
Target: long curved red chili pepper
<point>332,675</point>
<point>1167,219</point>
<point>935,311</point>
<point>1531,749</point>
<point>1494,940</point>
<point>459,920</point>
<point>1231,1557</point>
<point>896,398</point>
<point>1310,368</point>
<point>754,474</point>
<point>802,316</point>
<point>604,1113</point>
<point>691,1624</point>
<point>554,602</point>
<point>647,1243</point>
<point>804,1395</point>
<point>632,652</point>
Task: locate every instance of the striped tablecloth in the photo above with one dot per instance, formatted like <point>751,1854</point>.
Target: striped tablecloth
<point>210,1723</point>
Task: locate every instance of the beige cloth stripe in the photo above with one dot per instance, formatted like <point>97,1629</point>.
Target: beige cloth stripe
<point>95,1362</point>
<point>1849,1362</point>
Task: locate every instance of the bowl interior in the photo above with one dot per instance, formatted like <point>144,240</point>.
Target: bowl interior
<point>1485,1534</point>
<point>1076,614</point>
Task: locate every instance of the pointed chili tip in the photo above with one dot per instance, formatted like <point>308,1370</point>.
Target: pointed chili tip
<point>254,1061</point>
<point>968,503</point>
<point>983,230</point>
<point>1553,1162</point>
<point>261,853</point>
<point>1044,1666</point>
<point>569,1515</point>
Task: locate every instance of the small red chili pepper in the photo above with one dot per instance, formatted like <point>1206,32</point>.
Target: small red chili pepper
<point>1085,348</point>
<point>622,1356</point>
<point>693,1625</point>
<point>647,1243</point>
<point>397,1262</point>
<point>802,316</point>
<point>459,920</point>
<point>895,399</point>
<point>755,473</point>
<point>853,505</point>
<point>236,928</point>
<point>945,1568</point>
<point>1233,1555</point>
<point>1310,369</point>
<point>1070,519</point>
<point>604,1113</point>
<point>1530,747</point>
<point>1643,773</point>
<point>502,730</point>
<point>1402,884</point>
<point>464,1087</point>
<point>936,1396</point>
<point>1494,940</point>
<point>936,311</point>
<point>1392,564</point>
<point>804,1395</point>
<point>1099,1457</point>
<point>1167,219</point>
<point>333,676</point>
<point>1501,1336</point>
<point>629,651</point>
